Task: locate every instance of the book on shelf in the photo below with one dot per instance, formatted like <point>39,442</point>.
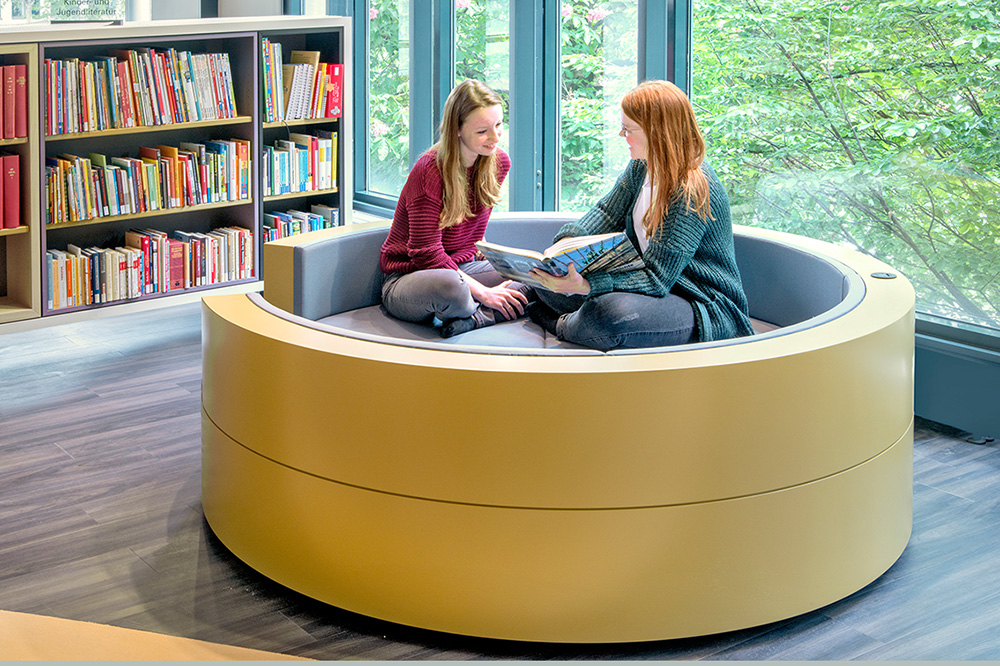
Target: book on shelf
<point>335,91</point>
<point>9,82</point>
<point>309,60</point>
<point>20,101</point>
<point>10,198</point>
<point>137,87</point>
<point>603,252</point>
<point>329,213</point>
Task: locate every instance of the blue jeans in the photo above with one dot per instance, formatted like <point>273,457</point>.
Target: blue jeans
<point>436,292</point>
<point>620,320</point>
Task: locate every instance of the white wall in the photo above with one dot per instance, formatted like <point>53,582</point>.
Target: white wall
<point>249,7</point>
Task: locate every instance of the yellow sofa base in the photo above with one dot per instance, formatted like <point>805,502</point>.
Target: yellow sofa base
<point>579,576</point>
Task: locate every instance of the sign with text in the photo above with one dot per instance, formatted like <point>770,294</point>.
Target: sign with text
<point>88,10</point>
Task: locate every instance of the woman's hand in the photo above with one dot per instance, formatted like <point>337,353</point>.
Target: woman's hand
<point>571,283</point>
<point>510,302</point>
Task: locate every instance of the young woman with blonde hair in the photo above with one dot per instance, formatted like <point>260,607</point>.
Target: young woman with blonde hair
<point>672,206</point>
<point>429,258</point>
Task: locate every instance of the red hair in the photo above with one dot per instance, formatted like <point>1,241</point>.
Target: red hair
<point>675,149</point>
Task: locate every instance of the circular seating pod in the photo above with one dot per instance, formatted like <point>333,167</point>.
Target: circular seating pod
<point>554,494</point>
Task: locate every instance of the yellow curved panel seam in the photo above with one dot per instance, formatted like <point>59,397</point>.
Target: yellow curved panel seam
<point>544,508</point>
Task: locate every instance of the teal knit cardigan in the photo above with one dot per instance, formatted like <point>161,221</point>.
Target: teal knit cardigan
<point>692,257</point>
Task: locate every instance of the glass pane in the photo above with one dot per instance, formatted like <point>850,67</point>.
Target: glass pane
<point>599,65</point>
<point>872,125</point>
<point>482,51</point>
<point>388,95</point>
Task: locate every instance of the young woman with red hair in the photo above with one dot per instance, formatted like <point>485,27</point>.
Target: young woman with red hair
<point>672,206</point>
<point>429,258</point>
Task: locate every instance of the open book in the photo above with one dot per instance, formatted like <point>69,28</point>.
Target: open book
<point>603,252</point>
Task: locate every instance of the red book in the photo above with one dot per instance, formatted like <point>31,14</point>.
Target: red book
<point>335,90</point>
<point>11,190</point>
<point>20,100</point>
<point>176,264</point>
<point>8,101</point>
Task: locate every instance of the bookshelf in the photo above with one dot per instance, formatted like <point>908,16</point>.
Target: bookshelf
<point>55,160</point>
<point>327,46</point>
<point>20,288</point>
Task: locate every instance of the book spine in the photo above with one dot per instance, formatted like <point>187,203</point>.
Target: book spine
<point>10,163</point>
<point>9,87</point>
<point>20,100</point>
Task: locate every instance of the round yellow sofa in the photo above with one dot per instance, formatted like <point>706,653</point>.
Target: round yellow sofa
<point>556,497</point>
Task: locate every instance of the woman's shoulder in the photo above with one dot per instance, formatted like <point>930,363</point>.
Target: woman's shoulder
<point>425,173</point>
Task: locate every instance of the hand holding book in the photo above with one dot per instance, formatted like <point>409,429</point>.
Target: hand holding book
<point>571,283</point>
<point>604,252</point>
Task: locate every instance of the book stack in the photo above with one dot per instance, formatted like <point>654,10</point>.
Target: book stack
<point>13,101</point>
<point>301,163</point>
<point>293,222</point>
<point>10,190</point>
<point>149,262</point>
<point>302,88</point>
<point>81,188</point>
<point>274,99</point>
<point>135,88</point>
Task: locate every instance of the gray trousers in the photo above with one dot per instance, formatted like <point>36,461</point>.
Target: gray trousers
<point>443,293</point>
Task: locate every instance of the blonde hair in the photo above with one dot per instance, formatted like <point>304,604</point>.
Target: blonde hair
<point>466,98</point>
<point>675,149</point>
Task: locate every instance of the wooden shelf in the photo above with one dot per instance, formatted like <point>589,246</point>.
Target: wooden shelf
<point>11,310</point>
<point>148,214</point>
<point>14,141</point>
<point>144,129</point>
<point>299,195</point>
<point>14,231</point>
<point>299,123</point>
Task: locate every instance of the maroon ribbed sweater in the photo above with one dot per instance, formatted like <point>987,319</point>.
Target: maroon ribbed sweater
<point>415,242</point>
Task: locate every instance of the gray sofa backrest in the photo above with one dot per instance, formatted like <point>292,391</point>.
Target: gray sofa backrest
<point>784,285</point>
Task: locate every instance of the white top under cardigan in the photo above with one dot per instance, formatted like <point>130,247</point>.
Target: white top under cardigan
<point>642,203</point>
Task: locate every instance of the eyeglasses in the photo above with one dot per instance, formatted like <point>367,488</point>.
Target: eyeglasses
<point>625,132</point>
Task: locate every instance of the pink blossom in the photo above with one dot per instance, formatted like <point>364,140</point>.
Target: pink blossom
<point>462,4</point>
<point>597,14</point>
<point>378,128</point>
<point>372,13</point>
<point>567,11</point>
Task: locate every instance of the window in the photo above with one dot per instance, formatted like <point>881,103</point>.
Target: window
<point>870,125</point>
<point>599,64</point>
<point>482,51</point>
<point>388,96</point>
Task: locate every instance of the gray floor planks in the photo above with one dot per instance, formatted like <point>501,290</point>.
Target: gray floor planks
<point>100,520</point>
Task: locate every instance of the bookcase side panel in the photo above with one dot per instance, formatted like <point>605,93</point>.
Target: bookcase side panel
<point>19,291</point>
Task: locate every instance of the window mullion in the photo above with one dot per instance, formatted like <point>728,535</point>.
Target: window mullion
<point>526,102</point>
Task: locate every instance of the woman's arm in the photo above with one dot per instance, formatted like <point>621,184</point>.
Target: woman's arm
<point>668,254</point>
<point>614,210</point>
<point>508,301</point>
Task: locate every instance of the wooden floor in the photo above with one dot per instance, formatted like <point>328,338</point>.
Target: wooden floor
<point>100,520</point>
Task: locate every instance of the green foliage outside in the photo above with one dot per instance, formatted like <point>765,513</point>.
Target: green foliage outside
<point>870,124</point>
<point>388,95</point>
<point>599,55</point>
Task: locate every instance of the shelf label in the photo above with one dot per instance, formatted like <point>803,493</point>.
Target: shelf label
<point>88,10</point>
